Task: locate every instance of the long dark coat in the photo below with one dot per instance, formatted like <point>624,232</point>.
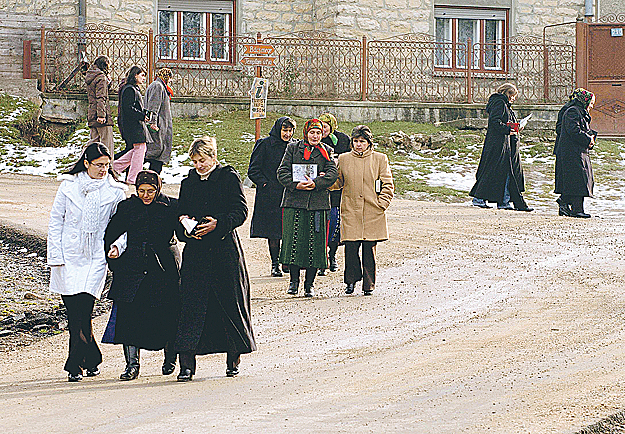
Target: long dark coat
<point>500,155</point>
<point>311,200</point>
<point>574,175</point>
<point>145,285</point>
<point>158,103</point>
<point>342,145</point>
<point>131,116</point>
<point>264,162</point>
<point>215,314</point>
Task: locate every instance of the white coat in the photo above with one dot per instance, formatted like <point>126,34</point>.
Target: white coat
<point>71,271</point>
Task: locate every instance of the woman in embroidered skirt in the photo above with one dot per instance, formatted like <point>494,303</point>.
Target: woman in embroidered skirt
<point>306,172</point>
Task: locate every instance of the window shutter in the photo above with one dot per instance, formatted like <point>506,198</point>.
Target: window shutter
<point>214,6</point>
<point>470,14</point>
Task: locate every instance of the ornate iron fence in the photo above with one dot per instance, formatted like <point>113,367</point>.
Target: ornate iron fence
<point>62,50</point>
<point>316,65</point>
<point>214,75</point>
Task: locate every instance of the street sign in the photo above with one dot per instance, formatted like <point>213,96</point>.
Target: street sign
<point>258,101</point>
<point>258,61</point>
<point>258,49</point>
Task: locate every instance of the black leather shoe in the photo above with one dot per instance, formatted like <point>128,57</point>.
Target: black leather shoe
<point>185,375</point>
<point>168,368</point>
<point>275,271</point>
<point>93,372</point>
<point>309,291</point>
<point>349,289</point>
<point>73,378</point>
<point>131,373</point>
<point>563,208</point>
<point>580,215</point>
<point>293,288</point>
<point>333,265</point>
<point>367,292</point>
<point>232,366</point>
<point>524,208</point>
<point>322,272</point>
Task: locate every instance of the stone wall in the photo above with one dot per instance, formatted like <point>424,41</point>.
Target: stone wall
<point>64,11</point>
<point>136,15</point>
<point>610,7</point>
<point>276,16</point>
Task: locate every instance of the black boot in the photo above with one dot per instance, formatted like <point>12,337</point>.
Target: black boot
<point>309,289</point>
<point>332,258</point>
<point>275,270</point>
<point>169,364</point>
<point>232,364</point>
<point>577,207</point>
<point>274,252</point>
<point>294,283</point>
<point>521,205</point>
<point>132,363</point>
<point>349,289</point>
<point>563,207</point>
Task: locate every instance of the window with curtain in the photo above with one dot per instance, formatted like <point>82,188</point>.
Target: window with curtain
<point>485,28</point>
<point>195,30</point>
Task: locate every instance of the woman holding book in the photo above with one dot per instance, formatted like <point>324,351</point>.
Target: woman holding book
<point>499,174</point>
<point>307,171</point>
<point>367,183</point>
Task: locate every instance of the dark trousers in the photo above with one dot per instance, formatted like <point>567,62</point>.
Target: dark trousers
<point>576,202</point>
<point>155,165</point>
<point>354,269</point>
<point>274,251</point>
<point>187,361</point>
<point>310,275</point>
<point>83,349</point>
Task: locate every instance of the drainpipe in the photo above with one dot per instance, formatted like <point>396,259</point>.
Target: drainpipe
<point>589,10</point>
<point>82,20</point>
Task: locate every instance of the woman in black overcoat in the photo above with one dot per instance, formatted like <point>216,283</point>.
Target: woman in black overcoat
<point>574,138</point>
<point>215,314</point>
<point>145,287</point>
<point>264,162</point>
<point>499,174</point>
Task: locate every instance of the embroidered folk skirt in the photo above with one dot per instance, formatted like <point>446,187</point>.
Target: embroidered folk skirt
<point>304,237</point>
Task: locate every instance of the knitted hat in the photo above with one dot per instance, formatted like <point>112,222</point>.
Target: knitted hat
<point>149,177</point>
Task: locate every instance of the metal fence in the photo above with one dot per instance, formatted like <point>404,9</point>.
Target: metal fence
<point>321,66</point>
<point>62,50</point>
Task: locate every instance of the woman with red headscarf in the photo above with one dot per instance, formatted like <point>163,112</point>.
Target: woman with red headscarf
<point>306,172</point>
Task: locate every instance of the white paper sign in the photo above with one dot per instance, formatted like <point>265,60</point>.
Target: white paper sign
<point>258,101</point>
<point>301,171</point>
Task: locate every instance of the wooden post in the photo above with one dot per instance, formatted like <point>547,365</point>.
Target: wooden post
<point>150,56</point>
<point>259,74</point>
<point>545,72</point>
<point>469,62</point>
<point>581,55</point>
<point>27,60</point>
<point>42,61</point>
<point>364,75</point>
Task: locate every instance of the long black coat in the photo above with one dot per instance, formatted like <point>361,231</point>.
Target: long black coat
<point>215,314</point>
<point>145,283</point>
<point>342,145</point>
<point>131,116</point>
<point>264,162</point>
<point>311,200</point>
<point>574,175</point>
<point>500,155</point>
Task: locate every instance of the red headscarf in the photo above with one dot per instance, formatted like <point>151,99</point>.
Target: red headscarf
<point>309,125</point>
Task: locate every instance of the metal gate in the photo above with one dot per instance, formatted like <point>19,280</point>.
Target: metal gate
<point>601,69</point>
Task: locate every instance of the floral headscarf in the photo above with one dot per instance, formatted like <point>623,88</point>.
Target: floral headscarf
<point>309,125</point>
<point>583,96</point>
<point>329,119</point>
<point>166,74</point>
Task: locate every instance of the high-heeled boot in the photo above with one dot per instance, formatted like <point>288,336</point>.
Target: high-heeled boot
<point>131,353</point>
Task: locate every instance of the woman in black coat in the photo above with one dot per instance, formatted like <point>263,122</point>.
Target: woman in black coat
<point>340,143</point>
<point>306,203</point>
<point>499,174</point>
<point>143,255</point>
<point>574,138</point>
<point>264,162</point>
<point>215,314</point>
<point>131,120</point>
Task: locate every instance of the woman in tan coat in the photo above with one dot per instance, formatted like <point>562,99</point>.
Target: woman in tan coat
<point>367,183</point>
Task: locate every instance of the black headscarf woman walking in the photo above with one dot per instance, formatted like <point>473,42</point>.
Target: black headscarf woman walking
<point>264,162</point>
<point>499,174</point>
<point>574,138</point>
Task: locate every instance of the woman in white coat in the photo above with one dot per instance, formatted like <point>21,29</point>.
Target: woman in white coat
<point>83,206</point>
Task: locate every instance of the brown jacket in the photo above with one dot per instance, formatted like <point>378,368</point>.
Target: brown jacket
<point>362,209</point>
<point>98,95</point>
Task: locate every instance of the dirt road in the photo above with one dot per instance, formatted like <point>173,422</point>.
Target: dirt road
<point>482,321</point>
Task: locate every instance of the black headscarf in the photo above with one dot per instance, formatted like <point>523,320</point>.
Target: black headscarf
<point>276,130</point>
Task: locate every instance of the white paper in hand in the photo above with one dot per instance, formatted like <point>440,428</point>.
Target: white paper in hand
<point>189,224</point>
<point>523,121</point>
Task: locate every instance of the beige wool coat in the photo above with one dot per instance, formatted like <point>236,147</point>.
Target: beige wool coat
<point>362,209</point>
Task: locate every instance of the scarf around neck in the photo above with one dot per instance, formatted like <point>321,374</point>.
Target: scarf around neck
<point>90,223</point>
